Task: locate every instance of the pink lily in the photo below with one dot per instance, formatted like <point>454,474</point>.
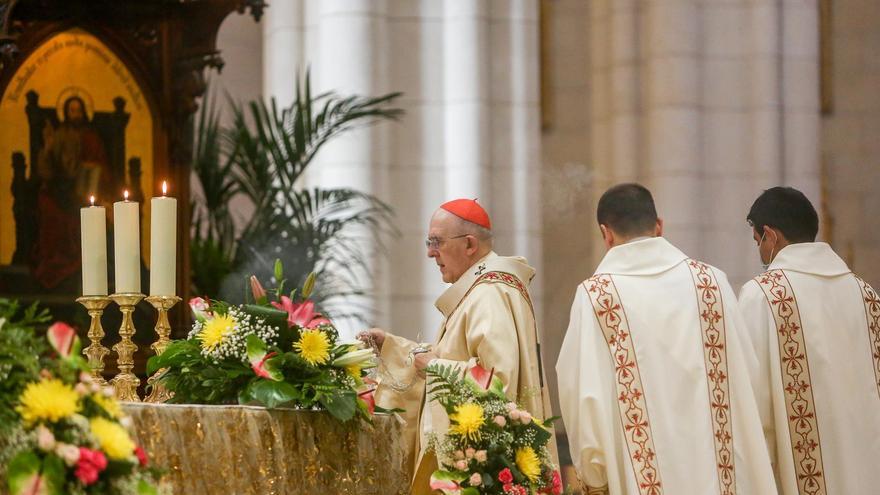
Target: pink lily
<point>301,314</point>
<point>63,339</point>
<point>258,291</point>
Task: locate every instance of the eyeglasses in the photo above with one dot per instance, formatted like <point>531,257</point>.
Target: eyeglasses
<point>434,243</point>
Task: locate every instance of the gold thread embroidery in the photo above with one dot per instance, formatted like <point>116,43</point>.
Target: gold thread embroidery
<point>803,427</point>
<point>631,404</point>
<point>712,325</point>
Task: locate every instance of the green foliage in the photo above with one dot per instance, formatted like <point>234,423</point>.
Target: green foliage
<point>21,346</point>
<point>195,379</point>
<point>261,156</point>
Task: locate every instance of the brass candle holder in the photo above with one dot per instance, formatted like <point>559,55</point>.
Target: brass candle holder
<point>96,352</point>
<point>158,393</point>
<point>126,383</point>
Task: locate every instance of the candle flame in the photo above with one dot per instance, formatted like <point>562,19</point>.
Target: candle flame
<point>125,194</point>
<point>92,200</point>
<point>164,188</point>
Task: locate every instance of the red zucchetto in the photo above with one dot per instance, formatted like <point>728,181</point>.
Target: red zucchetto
<point>470,210</point>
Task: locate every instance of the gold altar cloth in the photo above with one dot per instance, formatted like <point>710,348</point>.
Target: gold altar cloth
<point>219,450</point>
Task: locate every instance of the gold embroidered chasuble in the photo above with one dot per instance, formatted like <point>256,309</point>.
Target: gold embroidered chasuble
<point>488,318</point>
<point>815,328</point>
<point>654,385</point>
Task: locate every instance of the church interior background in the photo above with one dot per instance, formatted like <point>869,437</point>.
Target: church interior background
<point>537,106</point>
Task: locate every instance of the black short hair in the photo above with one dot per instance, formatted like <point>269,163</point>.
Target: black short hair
<point>628,209</point>
<point>786,209</point>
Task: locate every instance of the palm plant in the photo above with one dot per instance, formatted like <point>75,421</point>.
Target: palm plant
<point>261,156</point>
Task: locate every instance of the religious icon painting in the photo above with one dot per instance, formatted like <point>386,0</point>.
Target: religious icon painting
<point>75,123</point>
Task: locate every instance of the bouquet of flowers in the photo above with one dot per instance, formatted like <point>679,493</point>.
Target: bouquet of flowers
<point>270,353</point>
<point>71,434</point>
<point>492,446</point>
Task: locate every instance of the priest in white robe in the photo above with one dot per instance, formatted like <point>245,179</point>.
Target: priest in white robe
<point>488,319</point>
<point>815,328</point>
<point>654,383</point>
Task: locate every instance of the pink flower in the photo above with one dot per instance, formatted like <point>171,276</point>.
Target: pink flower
<point>556,482</point>
<point>62,337</point>
<point>45,439</point>
<point>201,308</point>
<point>501,421</point>
<point>482,376</point>
<point>515,415</point>
<point>257,289</point>
<point>367,396</point>
<point>260,366</point>
<point>458,455</point>
<point>524,417</point>
<point>476,479</point>
<point>301,314</point>
<point>70,453</point>
<point>91,463</point>
<point>469,452</point>
<point>141,456</point>
<point>461,465</point>
<point>505,476</point>
<point>480,456</point>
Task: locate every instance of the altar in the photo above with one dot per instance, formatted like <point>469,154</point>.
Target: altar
<point>253,450</point>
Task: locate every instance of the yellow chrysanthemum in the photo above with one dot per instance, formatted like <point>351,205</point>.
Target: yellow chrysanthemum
<point>354,370</point>
<point>112,438</point>
<point>47,400</point>
<point>528,463</point>
<point>109,405</point>
<point>467,420</point>
<point>215,331</point>
<point>313,346</point>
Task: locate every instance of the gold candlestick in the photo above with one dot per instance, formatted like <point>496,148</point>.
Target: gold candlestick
<point>96,352</point>
<point>125,382</point>
<point>158,393</point>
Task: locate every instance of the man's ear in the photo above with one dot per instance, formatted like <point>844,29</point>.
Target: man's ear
<point>473,245</point>
<point>607,236</point>
<point>658,229</point>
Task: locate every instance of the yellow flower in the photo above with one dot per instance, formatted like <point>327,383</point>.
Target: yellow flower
<point>354,370</point>
<point>112,438</point>
<point>109,405</point>
<point>313,346</point>
<point>215,331</point>
<point>47,400</point>
<point>467,420</point>
<point>528,463</point>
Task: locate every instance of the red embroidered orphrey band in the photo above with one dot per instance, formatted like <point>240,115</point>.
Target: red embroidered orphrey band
<point>872,313</point>
<point>630,392</point>
<point>803,427</point>
<point>712,325</point>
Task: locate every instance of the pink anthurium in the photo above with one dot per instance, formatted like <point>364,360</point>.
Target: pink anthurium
<point>201,308</point>
<point>369,399</point>
<point>260,359</point>
<point>482,376</point>
<point>260,366</point>
<point>34,485</point>
<point>301,314</point>
<point>63,339</point>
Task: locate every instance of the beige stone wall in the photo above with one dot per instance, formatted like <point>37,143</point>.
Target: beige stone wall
<point>851,137</point>
<point>567,205</point>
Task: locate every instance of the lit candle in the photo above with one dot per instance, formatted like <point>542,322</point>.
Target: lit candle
<point>93,233</point>
<point>163,244</point>
<point>127,246</point>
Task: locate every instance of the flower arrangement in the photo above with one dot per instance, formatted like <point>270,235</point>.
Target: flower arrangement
<point>492,446</point>
<point>270,353</point>
<point>71,435</point>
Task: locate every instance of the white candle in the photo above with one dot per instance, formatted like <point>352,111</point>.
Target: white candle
<point>127,246</point>
<point>163,244</point>
<point>93,233</point>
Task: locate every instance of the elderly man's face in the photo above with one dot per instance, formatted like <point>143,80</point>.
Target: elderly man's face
<point>448,246</point>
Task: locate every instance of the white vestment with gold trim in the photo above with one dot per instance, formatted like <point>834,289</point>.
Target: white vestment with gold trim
<point>489,319</point>
<point>653,382</point>
<point>815,328</point>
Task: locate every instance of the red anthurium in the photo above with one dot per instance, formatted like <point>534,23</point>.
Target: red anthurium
<point>367,396</point>
<point>301,314</point>
<point>141,456</point>
<point>482,376</point>
<point>260,367</point>
<point>63,338</point>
